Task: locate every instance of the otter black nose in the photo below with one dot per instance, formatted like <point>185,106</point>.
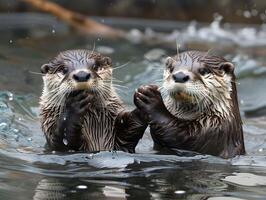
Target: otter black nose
<point>82,76</point>
<point>180,77</point>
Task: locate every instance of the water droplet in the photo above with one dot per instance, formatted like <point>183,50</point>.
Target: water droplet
<point>29,139</point>
<point>15,130</point>
<point>261,150</point>
<point>19,119</point>
<point>82,187</point>
<point>98,39</point>
<point>64,118</point>
<point>10,41</point>
<point>122,121</point>
<point>10,97</point>
<point>65,141</point>
<point>180,192</point>
<point>53,152</point>
<point>53,31</point>
<point>242,101</point>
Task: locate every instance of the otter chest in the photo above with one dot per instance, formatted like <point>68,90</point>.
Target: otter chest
<point>98,130</point>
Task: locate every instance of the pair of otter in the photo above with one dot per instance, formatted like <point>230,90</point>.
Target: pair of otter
<point>80,109</point>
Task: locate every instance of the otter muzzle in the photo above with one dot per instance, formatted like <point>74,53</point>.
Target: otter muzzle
<point>81,76</point>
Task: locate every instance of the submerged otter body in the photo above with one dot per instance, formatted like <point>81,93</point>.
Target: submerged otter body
<point>80,109</point>
<point>199,108</point>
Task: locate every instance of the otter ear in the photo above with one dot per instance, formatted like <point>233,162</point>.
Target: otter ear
<point>227,67</point>
<point>168,62</point>
<point>108,60</point>
<point>45,68</point>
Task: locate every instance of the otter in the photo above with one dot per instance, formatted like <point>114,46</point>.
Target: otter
<point>198,107</point>
<point>80,109</point>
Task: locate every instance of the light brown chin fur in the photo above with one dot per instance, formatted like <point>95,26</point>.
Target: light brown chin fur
<point>182,96</point>
<point>82,86</point>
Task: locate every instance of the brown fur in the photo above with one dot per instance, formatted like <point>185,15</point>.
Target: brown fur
<point>95,125</point>
<point>200,114</point>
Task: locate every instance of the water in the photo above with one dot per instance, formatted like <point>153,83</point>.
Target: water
<point>27,171</point>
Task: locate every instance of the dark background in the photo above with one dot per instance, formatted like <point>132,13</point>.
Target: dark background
<point>235,11</point>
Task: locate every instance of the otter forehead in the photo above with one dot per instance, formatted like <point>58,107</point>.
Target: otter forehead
<point>80,59</point>
<point>75,60</point>
<point>193,60</point>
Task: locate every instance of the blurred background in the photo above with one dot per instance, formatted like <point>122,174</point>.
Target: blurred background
<point>237,11</point>
<point>141,34</point>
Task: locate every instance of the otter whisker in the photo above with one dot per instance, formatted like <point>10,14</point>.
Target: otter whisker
<point>120,86</point>
<point>177,48</point>
<point>152,62</point>
<point>93,48</point>
<point>123,65</point>
<point>113,79</point>
<point>36,73</point>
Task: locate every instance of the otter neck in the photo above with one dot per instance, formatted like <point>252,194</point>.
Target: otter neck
<point>192,111</point>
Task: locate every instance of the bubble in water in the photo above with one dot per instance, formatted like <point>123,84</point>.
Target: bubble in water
<point>82,187</point>
<point>65,141</point>
<point>180,192</point>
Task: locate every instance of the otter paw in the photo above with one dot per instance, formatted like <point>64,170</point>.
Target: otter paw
<point>148,99</point>
<point>78,102</point>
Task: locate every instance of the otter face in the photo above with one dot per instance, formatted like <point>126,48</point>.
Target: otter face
<point>197,78</point>
<point>77,70</point>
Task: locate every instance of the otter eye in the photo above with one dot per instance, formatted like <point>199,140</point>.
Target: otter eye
<point>204,71</point>
<point>64,70</point>
<point>96,67</point>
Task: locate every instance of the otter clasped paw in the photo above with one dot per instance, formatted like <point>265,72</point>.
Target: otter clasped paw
<point>78,103</point>
<point>149,100</point>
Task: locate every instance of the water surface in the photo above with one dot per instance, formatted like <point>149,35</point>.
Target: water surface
<point>27,171</point>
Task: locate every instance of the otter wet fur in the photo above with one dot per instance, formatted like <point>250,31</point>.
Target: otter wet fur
<point>198,107</point>
<point>80,109</point>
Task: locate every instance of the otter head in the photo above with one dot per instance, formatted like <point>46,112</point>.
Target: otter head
<point>196,81</point>
<point>77,70</point>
